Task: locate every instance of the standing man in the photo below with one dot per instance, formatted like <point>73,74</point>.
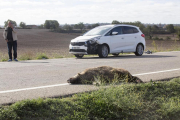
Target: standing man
<point>10,36</point>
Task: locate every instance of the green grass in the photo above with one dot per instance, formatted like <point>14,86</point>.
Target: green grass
<point>42,56</point>
<point>57,56</point>
<point>146,101</point>
<point>3,58</point>
<point>27,56</point>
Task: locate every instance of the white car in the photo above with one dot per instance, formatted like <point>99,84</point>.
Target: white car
<point>109,39</point>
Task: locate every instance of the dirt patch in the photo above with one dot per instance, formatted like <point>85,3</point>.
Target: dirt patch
<point>162,45</point>
<point>39,41</point>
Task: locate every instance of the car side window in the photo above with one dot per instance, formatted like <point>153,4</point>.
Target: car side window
<point>128,30</point>
<point>116,29</point>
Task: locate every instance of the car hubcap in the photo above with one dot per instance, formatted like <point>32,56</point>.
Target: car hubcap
<point>140,49</point>
<point>105,51</point>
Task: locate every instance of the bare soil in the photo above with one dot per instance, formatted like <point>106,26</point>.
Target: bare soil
<point>39,41</point>
<point>33,41</point>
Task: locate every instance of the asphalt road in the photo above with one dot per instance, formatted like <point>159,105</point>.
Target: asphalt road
<point>48,78</point>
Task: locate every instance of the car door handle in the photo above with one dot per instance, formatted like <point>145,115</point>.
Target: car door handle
<point>135,37</point>
<point>122,38</point>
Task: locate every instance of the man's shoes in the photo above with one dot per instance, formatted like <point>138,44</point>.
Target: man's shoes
<point>10,60</point>
<point>16,60</point>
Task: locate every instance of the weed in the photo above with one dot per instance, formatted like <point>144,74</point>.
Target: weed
<point>42,56</point>
<point>27,56</point>
<point>3,58</point>
<point>154,45</point>
<point>57,56</point>
<point>168,38</point>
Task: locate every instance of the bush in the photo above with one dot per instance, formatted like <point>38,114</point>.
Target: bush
<point>168,38</point>
<point>26,56</point>
<point>161,32</point>
<point>154,45</point>
<point>4,60</point>
<point>155,38</point>
<point>42,56</point>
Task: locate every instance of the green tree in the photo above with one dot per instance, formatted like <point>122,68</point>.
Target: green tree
<point>54,24</point>
<point>178,34</point>
<point>22,24</point>
<point>89,27</point>
<point>95,25</point>
<point>149,30</point>
<point>141,27</point>
<point>68,28</point>
<point>76,26</point>
<point>80,26</point>
<point>47,24</point>
<point>145,31</point>
<point>41,26</point>
<point>170,28</point>
<point>51,24</point>
<point>115,22</point>
<point>6,23</point>
<point>155,28</point>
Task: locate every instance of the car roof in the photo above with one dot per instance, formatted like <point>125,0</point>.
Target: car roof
<point>115,25</point>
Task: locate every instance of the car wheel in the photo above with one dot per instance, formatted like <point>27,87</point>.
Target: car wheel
<point>79,56</point>
<point>139,50</point>
<point>103,51</point>
<point>115,54</point>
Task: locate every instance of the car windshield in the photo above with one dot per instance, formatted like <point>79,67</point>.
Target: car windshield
<point>98,31</point>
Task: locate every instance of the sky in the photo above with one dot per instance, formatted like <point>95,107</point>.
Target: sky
<point>90,11</point>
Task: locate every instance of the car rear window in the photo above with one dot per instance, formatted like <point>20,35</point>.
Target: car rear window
<point>129,30</point>
<point>135,30</point>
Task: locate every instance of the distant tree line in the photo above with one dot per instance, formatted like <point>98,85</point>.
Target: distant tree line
<point>80,27</point>
<point>150,30</point>
<point>77,28</point>
<point>22,24</point>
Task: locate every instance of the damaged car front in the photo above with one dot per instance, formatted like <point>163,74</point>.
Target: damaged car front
<point>88,43</point>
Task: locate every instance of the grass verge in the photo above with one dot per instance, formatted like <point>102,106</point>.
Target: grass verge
<point>150,101</point>
<point>42,56</point>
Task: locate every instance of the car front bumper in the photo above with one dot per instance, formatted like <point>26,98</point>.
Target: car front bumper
<point>78,49</point>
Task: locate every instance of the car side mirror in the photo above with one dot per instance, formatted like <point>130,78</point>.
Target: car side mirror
<point>114,33</point>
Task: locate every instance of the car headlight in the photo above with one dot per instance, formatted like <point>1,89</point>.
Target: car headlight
<point>93,40</point>
<point>85,44</point>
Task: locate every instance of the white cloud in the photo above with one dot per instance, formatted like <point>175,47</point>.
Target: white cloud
<point>89,11</point>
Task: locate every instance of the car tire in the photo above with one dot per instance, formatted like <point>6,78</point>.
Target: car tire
<point>139,50</point>
<point>115,54</point>
<point>103,51</point>
<point>79,55</point>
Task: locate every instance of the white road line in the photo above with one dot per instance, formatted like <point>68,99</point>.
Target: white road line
<point>33,88</point>
<point>156,72</point>
<point>64,84</point>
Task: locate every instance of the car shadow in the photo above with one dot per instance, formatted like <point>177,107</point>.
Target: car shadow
<point>129,56</point>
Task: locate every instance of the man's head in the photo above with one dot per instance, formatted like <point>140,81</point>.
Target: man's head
<point>9,24</point>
